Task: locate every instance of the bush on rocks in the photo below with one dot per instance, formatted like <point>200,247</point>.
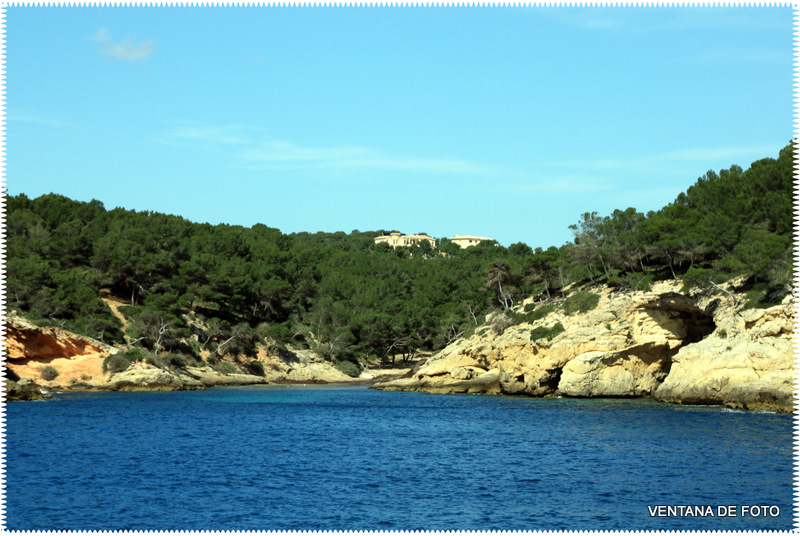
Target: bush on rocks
<point>501,322</point>
<point>155,360</point>
<point>116,363</point>
<point>581,302</point>
<point>349,368</point>
<point>49,373</point>
<point>256,368</point>
<point>177,360</point>
<point>547,333</point>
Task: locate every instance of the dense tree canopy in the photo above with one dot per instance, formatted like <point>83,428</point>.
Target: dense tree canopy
<point>349,297</point>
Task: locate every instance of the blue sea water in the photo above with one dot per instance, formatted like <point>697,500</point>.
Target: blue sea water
<point>347,458</point>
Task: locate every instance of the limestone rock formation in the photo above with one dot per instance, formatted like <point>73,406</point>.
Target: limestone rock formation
<point>76,362</point>
<point>701,349</point>
<point>621,348</point>
<point>147,378</point>
<point>634,371</point>
<point>74,358</point>
<point>15,391</point>
<point>57,359</point>
<point>26,340</point>
<point>487,382</point>
<point>302,366</point>
<point>747,363</point>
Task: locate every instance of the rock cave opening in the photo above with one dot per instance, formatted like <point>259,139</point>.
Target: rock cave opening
<point>676,313</point>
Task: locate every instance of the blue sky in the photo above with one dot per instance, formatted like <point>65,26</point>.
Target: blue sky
<point>506,122</point>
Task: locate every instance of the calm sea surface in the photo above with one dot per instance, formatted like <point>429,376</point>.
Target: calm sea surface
<point>345,458</point>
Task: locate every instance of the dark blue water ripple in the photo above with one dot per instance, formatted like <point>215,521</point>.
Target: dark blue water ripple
<point>344,458</point>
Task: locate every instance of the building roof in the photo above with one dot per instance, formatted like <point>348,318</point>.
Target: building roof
<point>469,237</point>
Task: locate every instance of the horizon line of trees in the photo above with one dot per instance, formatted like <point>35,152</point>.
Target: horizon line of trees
<point>348,297</point>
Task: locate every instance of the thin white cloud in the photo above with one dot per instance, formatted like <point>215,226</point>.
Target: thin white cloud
<point>126,50</point>
<point>257,151</point>
<point>35,119</point>
<point>275,153</point>
<point>222,135</point>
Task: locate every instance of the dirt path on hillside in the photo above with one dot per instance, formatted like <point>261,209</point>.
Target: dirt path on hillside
<point>114,304</point>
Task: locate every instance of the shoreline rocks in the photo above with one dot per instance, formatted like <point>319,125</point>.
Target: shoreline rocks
<point>679,349</point>
<point>702,349</point>
<point>77,365</point>
<point>21,391</point>
<point>746,365</point>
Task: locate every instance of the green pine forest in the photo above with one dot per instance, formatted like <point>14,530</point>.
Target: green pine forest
<point>195,288</point>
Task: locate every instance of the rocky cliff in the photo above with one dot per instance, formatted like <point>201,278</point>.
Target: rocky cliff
<point>698,349</point>
<point>746,364</point>
<point>42,359</point>
<point>48,357</point>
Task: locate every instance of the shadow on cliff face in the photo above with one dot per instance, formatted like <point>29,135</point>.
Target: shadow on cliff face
<point>33,344</point>
<point>670,322</point>
<point>687,322</point>
<point>550,383</point>
<point>677,314</point>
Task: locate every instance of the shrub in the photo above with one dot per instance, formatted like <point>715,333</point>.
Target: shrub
<point>349,368</point>
<point>49,373</point>
<point>580,302</point>
<point>177,360</point>
<point>541,312</point>
<point>155,360</point>
<point>85,377</point>
<point>546,333</point>
<point>255,367</point>
<point>116,363</point>
<point>532,314</point>
<point>324,350</point>
<point>500,322</point>
<point>723,334</point>
<point>279,333</point>
<point>696,277</point>
<point>699,278</point>
<point>262,329</point>
<point>133,354</point>
<point>194,346</point>
<point>244,342</point>
<point>761,298</point>
<point>632,281</point>
<point>121,361</point>
<point>753,299</point>
<point>644,283</point>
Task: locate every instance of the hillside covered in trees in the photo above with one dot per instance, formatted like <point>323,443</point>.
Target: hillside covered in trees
<point>195,288</point>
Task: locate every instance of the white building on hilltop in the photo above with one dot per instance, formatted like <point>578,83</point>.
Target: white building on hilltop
<point>465,241</point>
<point>400,240</point>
